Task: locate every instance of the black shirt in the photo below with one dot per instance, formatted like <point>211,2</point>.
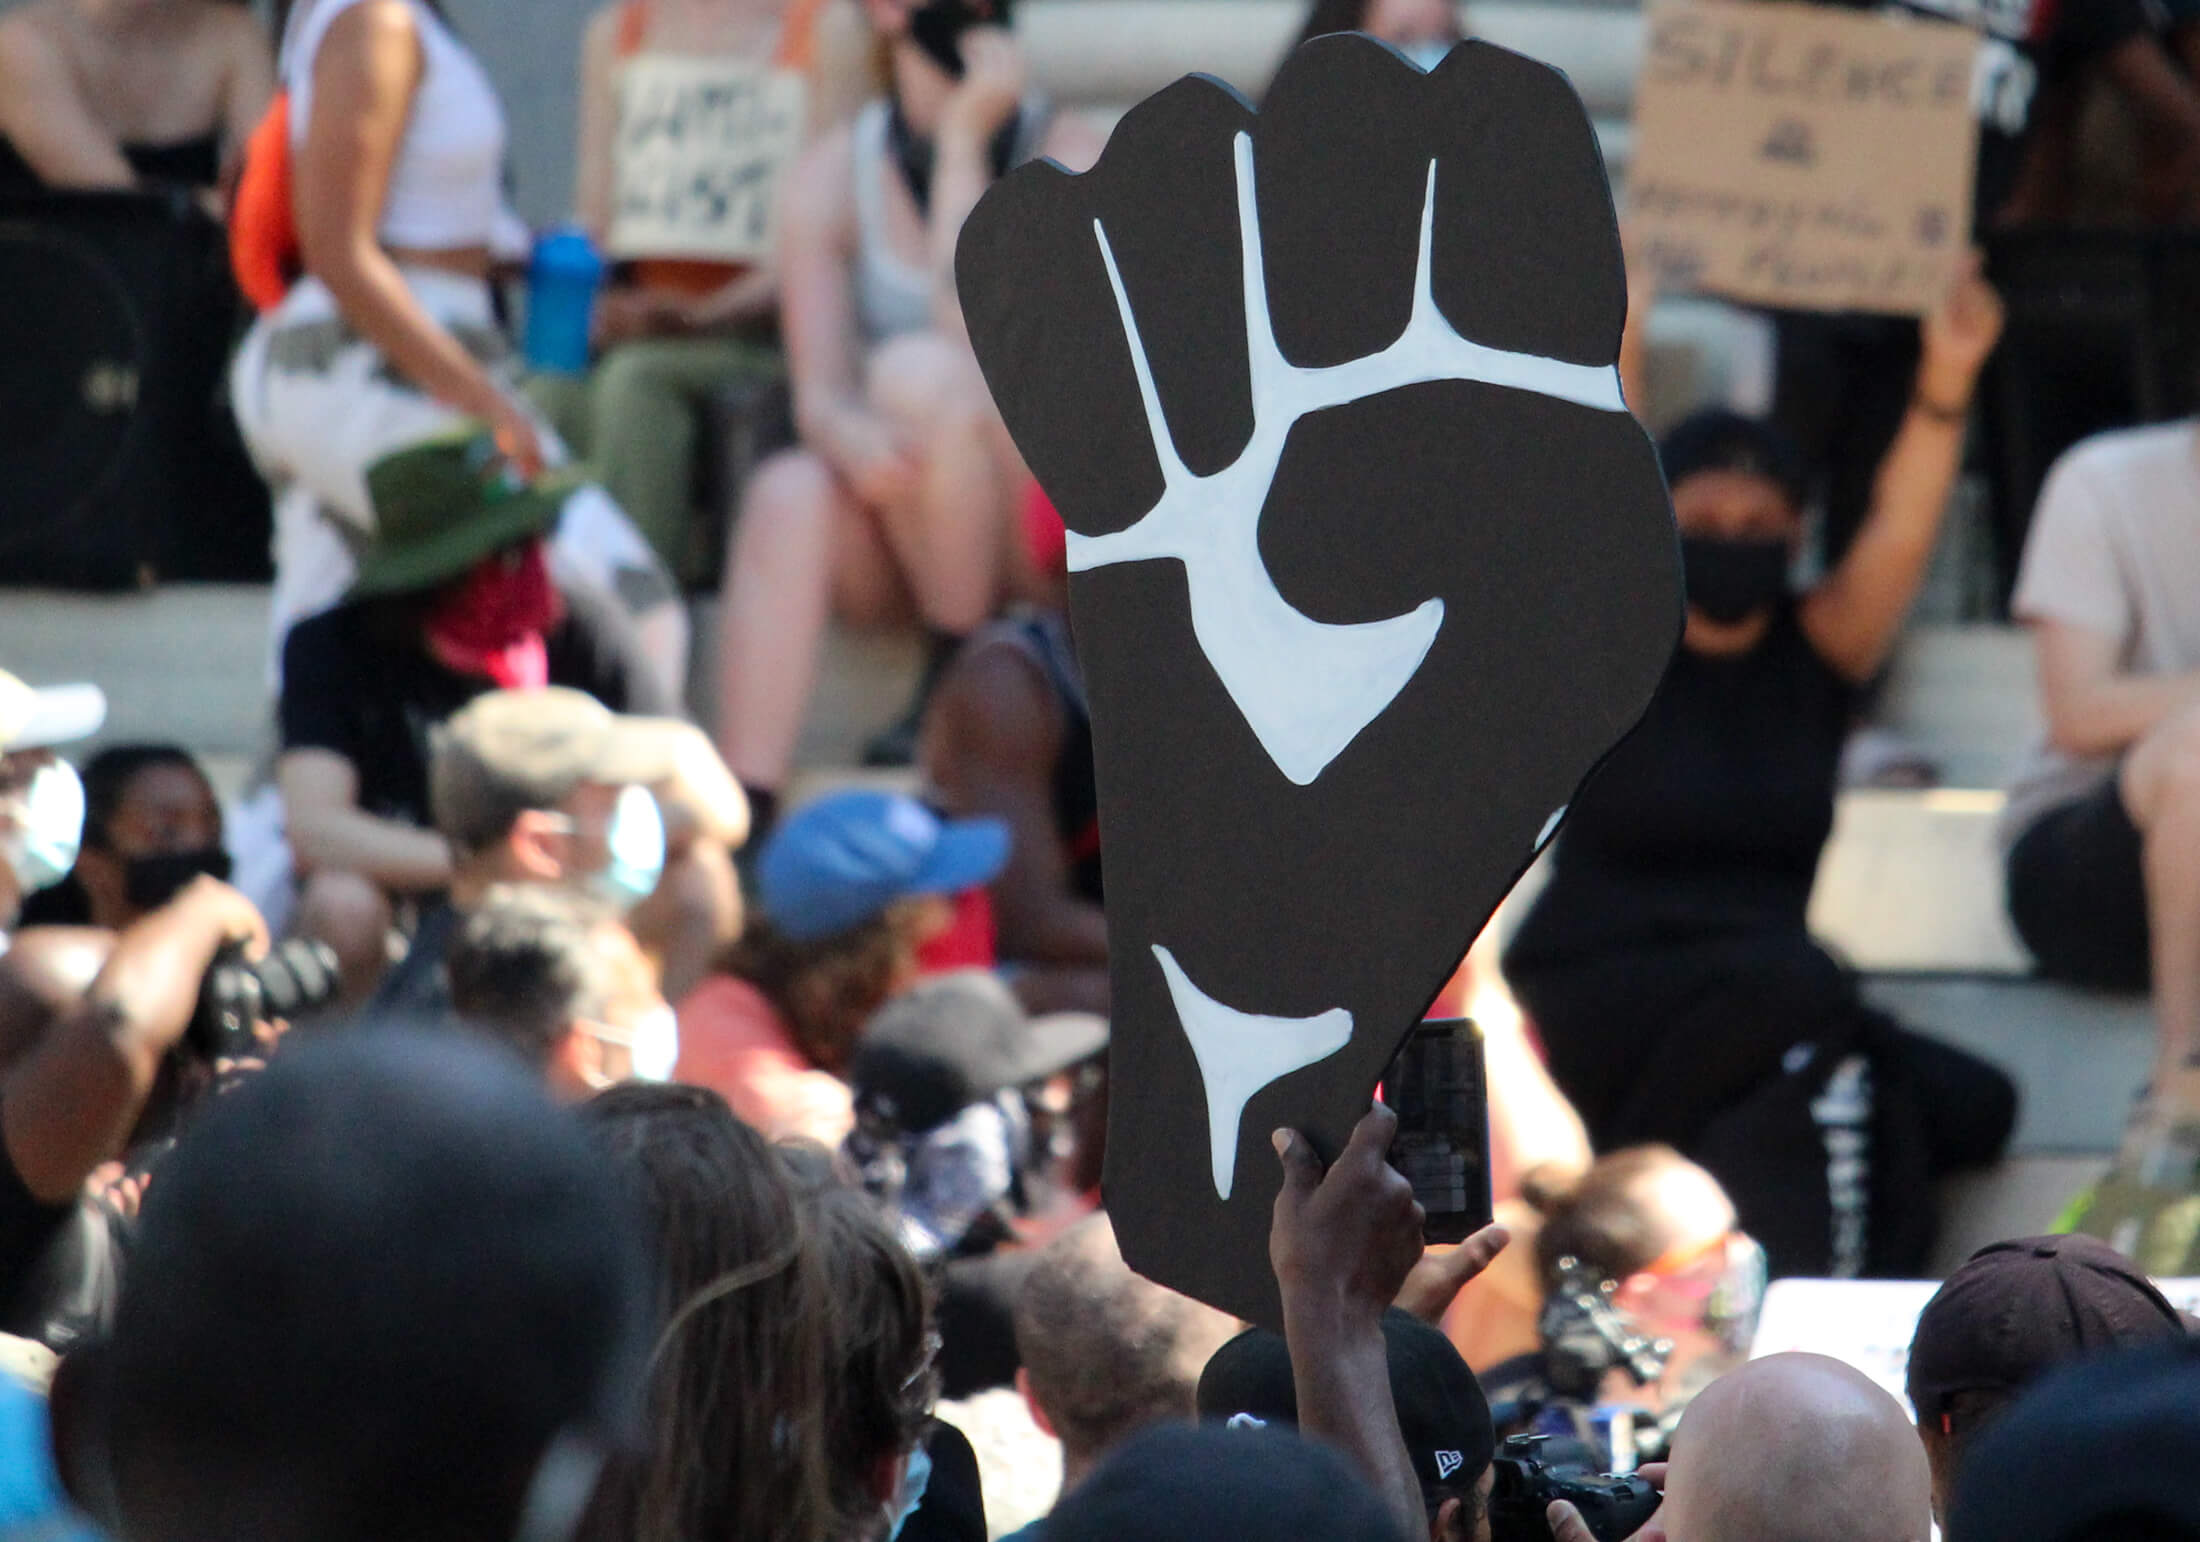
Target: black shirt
<point>1710,817</point>
<point>347,688</point>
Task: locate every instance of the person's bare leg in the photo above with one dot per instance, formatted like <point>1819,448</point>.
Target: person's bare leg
<point>800,546</point>
<point>948,538</point>
<point>694,912</point>
<point>2161,790</point>
<point>352,915</point>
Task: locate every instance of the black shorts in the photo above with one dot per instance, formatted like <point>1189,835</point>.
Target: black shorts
<point>2078,894</point>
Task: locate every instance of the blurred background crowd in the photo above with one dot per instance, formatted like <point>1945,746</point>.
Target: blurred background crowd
<point>555,980</point>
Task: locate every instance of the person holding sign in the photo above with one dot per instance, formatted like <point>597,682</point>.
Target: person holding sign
<point>691,113</point>
<point>901,501</point>
<point>1667,962</point>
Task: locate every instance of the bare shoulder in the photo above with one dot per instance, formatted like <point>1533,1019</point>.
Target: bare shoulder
<point>373,24</point>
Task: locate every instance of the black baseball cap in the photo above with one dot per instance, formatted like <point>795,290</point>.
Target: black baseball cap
<point>2103,1449</point>
<point>958,1039</point>
<point>1441,1408</point>
<point>2017,1310</point>
<point>1175,1483</point>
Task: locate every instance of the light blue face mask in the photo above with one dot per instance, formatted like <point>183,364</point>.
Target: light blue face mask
<point>49,827</point>
<point>916,1477</point>
<point>1427,53</point>
<point>636,838</point>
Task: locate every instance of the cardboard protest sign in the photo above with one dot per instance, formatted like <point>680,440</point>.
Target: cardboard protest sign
<point>1804,156</point>
<point>696,161</point>
<point>1369,567</point>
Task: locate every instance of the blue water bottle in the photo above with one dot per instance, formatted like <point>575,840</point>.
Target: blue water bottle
<point>562,277</point>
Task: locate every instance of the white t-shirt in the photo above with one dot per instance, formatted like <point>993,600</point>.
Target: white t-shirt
<point>2114,548</point>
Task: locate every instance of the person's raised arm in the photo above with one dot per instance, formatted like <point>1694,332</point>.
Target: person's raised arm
<point>71,1104</point>
<point>328,829</point>
<point>1854,616</point>
<point>991,741</point>
<point>817,320</point>
<point>365,74</point>
<point>45,116</point>
<point>1342,1245</point>
<point>701,797</point>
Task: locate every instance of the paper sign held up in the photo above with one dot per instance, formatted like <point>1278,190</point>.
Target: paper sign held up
<point>697,159</point>
<point>1801,156</point>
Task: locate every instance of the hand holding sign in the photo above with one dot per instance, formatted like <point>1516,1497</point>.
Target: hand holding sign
<point>1370,566</point>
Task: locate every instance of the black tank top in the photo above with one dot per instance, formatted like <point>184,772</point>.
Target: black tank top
<point>1710,817</point>
<point>191,162</point>
<point>1043,637</point>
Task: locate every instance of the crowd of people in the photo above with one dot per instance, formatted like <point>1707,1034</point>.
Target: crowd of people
<point>585,1134</point>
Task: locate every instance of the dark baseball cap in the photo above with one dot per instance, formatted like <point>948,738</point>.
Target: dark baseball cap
<point>958,1039</point>
<point>2017,1310</point>
<point>1175,1483</point>
<point>2099,1450</point>
<point>840,861</point>
<point>1441,1409</point>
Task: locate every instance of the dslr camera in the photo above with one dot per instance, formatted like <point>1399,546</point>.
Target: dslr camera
<point>237,997</point>
<point>1614,1505</point>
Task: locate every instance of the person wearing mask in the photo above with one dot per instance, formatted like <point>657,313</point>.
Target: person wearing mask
<point>445,608</point>
<point>901,502</point>
<point>1797,1447</point>
<point>387,166</point>
<point>1105,1352</point>
<point>549,788</point>
<point>1653,1237</point>
<point>1668,963</point>
<point>678,325</point>
<point>383,1291</point>
<point>151,825</point>
<point>41,796</point>
<point>124,93</point>
<point>848,890</point>
<point>557,978</point>
<point>2013,1313</point>
<point>742,1323</point>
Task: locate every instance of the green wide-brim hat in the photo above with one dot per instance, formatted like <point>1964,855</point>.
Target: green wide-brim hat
<point>443,505</point>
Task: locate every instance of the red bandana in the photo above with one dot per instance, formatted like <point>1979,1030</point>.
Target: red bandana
<point>492,621</point>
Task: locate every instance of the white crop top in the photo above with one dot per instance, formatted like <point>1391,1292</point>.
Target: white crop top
<point>447,184</point>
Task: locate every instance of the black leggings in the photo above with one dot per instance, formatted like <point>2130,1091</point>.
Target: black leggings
<point>1735,1050</point>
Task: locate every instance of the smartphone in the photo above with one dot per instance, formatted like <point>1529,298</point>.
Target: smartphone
<point>1439,1091</point>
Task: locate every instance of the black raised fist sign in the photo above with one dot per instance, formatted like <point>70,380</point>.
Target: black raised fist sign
<point>1370,566</point>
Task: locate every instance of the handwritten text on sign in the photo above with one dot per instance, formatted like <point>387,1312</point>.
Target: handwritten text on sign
<point>700,149</point>
<point>1798,156</point>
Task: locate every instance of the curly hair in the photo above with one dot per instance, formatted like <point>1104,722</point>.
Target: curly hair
<point>828,989</point>
<point>737,1391</point>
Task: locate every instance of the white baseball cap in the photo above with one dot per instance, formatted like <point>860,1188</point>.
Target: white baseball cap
<point>39,717</point>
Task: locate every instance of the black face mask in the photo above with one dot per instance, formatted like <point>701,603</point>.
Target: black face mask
<point>1731,581</point>
<point>152,881</point>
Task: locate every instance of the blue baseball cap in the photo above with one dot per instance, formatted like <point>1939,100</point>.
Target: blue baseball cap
<point>840,861</point>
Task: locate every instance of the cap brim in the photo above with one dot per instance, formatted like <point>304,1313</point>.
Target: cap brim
<point>1058,1041</point>
<point>60,714</point>
<point>641,750</point>
<point>970,852</point>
